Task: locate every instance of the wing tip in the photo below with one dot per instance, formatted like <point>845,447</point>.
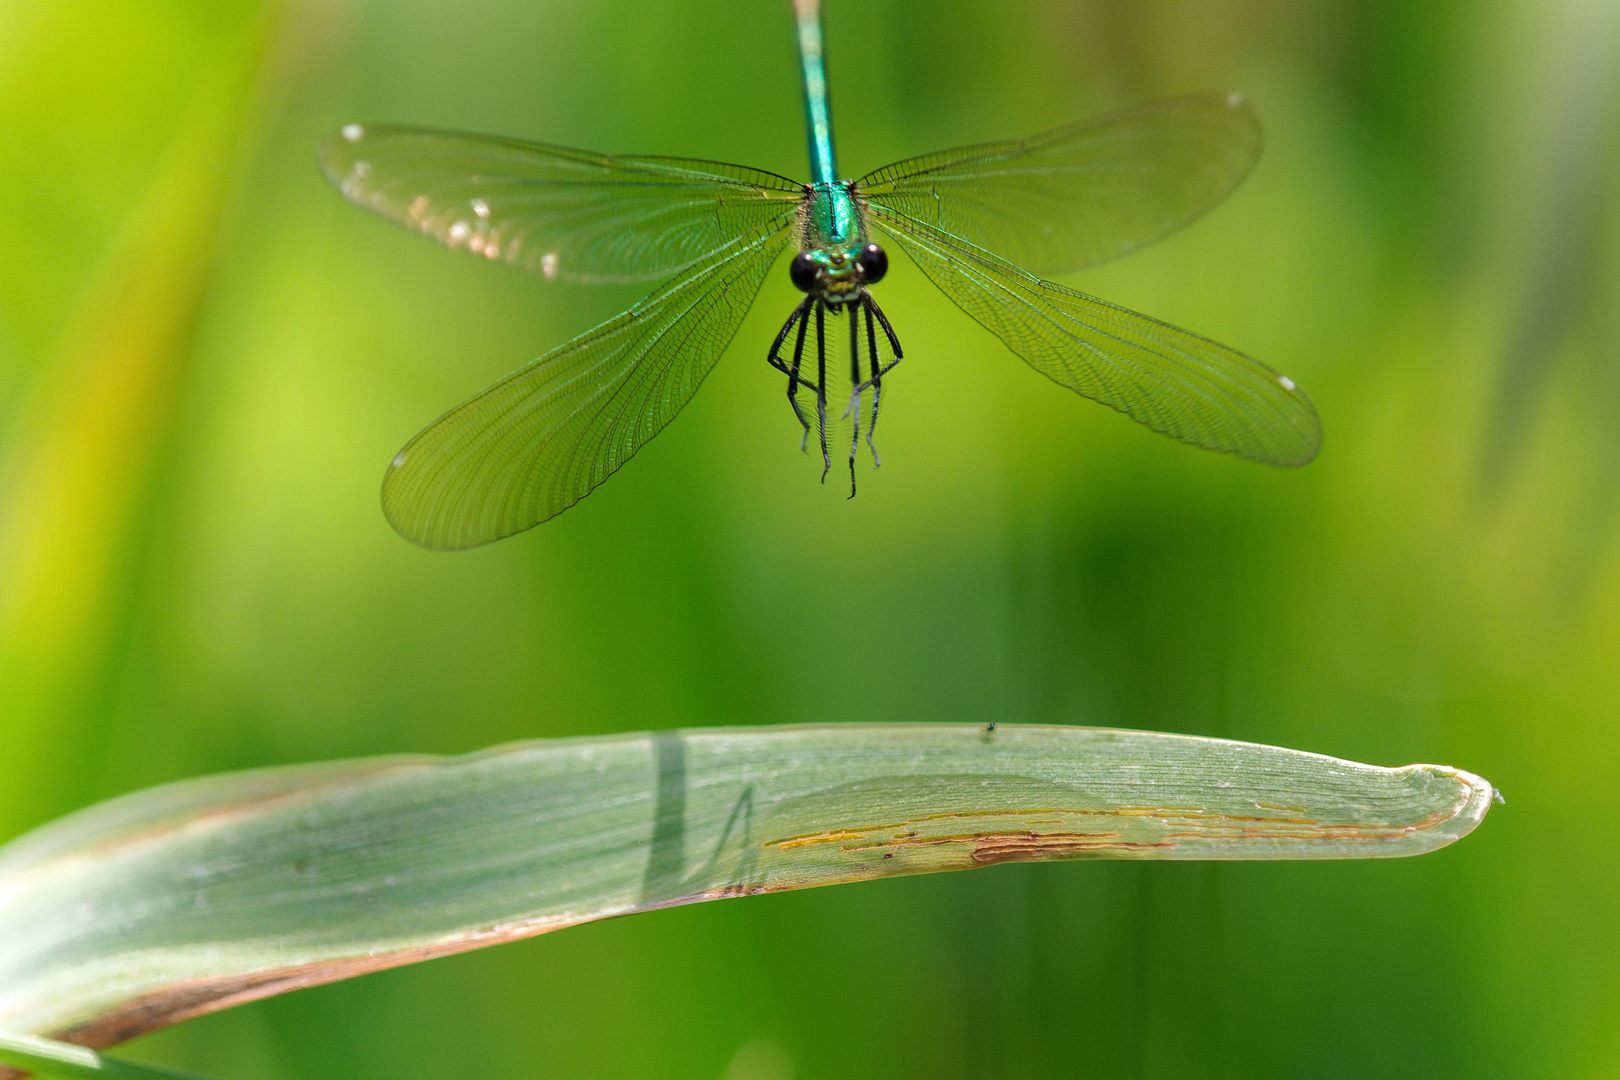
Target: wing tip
<point>1239,106</point>
<point>1303,452</point>
<point>1234,101</point>
<point>1307,454</point>
<point>1308,425</point>
<point>437,527</point>
<point>1300,420</point>
<point>416,527</point>
<point>334,154</point>
<point>424,535</point>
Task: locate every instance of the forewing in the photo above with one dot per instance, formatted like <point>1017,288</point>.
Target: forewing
<point>1173,381</point>
<point>539,440</point>
<point>568,214</point>
<point>1080,194</point>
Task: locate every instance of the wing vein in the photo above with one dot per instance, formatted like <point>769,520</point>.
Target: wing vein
<point>1165,378</point>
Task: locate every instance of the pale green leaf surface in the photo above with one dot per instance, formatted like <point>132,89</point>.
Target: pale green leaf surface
<point>47,1057</point>
<point>167,903</point>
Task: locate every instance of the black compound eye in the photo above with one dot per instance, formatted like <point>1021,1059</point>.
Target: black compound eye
<point>874,263</point>
<point>804,271</point>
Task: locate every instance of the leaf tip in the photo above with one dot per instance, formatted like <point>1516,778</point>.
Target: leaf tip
<point>1474,801</point>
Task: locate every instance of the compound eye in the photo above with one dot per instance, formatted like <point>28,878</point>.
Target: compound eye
<point>804,271</point>
<point>874,263</point>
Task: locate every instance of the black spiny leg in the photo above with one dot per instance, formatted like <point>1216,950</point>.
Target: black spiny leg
<point>876,381</point>
<point>821,386</point>
<point>781,335</point>
<point>854,313</point>
<point>794,380</point>
<point>888,331</point>
<point>800,316</point>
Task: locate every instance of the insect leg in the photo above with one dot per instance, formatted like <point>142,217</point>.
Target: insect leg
<point>894,342</point>
<point>801,316</point>
<point>771,357</point>
<point>854,313</point>
<point>821,386</point>
<point>876,380</point>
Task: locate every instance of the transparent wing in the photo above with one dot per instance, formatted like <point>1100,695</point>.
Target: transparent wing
<point>1080,194</point>
<point>538,441</point>
<point>1175,382</point>
<point>567,214</point>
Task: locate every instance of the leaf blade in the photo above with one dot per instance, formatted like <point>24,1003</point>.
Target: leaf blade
<point>68,1061</point>
<point>143,920</point>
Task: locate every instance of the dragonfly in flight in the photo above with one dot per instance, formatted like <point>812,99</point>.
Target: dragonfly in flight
<point>981,222</point>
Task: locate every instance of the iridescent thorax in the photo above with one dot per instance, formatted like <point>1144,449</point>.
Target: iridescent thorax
<point>832,216</point>
<point>832,238</point>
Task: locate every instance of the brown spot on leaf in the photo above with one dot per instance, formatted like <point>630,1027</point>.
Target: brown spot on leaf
<point>1023,847</point>
<point>994,847</point>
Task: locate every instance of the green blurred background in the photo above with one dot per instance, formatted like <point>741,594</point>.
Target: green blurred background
<point>207,358</point>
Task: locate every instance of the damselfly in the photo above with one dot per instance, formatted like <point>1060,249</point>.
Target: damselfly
<point>981,222</point>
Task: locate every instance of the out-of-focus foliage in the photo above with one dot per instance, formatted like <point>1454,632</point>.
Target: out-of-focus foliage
<point>207,358</point>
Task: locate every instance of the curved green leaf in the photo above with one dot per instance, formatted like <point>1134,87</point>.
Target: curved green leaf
<point>171,902</point>
<point>67,1061</point>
